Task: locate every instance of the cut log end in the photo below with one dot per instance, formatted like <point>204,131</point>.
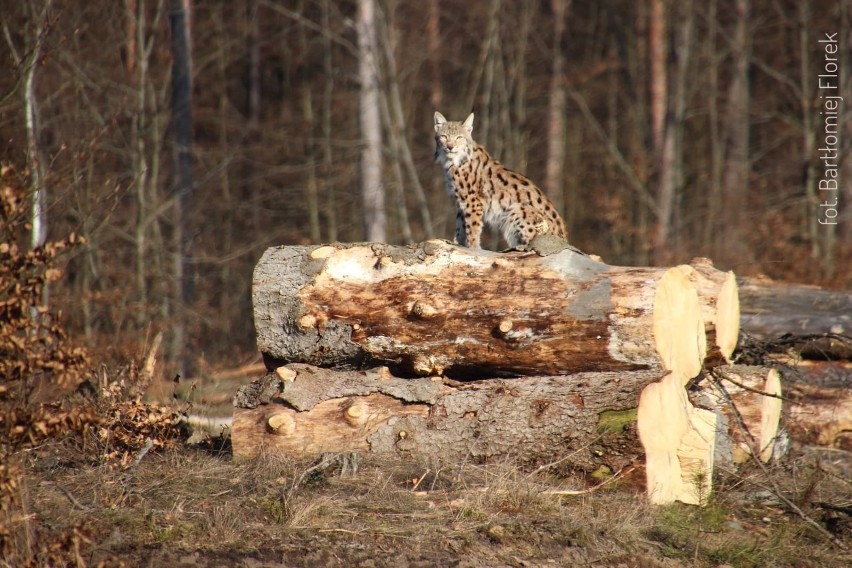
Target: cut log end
<point>679,333</point>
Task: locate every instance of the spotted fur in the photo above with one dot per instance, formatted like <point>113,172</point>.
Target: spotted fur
<point>485,191</point>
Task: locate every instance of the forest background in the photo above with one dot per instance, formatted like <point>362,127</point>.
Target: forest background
<point>181,139</point>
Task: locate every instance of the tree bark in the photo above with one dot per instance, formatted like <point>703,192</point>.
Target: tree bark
<point>735,180</point>
<point>772,309</point>
<point>555,167</point>
<point>435,308</point>
<point>181,108</point>
<point>533,419</point>
<point>584,421</point>
<point>670,151</point>
<point>371,127</point>
<point>820,415</point>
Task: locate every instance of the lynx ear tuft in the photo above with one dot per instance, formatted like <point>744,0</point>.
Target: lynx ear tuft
<point>468,123</point>
<point>439,120</point>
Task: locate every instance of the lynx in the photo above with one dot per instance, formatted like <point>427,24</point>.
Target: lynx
<point>485,191</point>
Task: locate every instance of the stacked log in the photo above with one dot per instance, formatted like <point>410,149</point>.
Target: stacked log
<point>438,350</point>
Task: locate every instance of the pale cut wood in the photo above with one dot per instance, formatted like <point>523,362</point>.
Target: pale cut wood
<point>435,308</point>
<point>720,307</point>
<point>679,440</point>
<point>748,401</point>
<point>770,415</point>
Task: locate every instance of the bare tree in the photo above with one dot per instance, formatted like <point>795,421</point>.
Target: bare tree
<point>396,123</point>
<point>731,246</point>
<point>328,93</point>
<point>146,141</point>
<point>714,195</point>
<point>29,63</point>
<point>555,167</point>
<point>433,29</point>
<point>372,190</point>
<point>668,148</point>
<point>845,8</point>
<point>181,107</point>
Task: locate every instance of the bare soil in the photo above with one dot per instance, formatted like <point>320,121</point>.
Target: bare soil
<point>196,506</point>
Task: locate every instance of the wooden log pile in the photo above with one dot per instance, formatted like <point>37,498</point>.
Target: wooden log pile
<point>437,350</point>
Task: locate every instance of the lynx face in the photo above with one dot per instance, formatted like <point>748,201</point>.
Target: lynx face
<point>453,140</point>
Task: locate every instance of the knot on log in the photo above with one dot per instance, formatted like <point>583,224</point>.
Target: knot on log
<point>307,321</point>
<point>281,424</point>
<point>355,412</point>
<point>425,365</point>
<point>423,310</point>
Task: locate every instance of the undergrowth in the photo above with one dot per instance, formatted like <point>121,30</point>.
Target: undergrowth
<point>52,401</point>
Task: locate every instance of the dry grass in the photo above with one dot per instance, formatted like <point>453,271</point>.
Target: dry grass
<point>196,507</point>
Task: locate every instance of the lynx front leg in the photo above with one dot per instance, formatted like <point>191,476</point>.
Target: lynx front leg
<point>473,224</point>
<point>461,236</point>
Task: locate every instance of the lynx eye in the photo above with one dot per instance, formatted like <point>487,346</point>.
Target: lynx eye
<point>443,137</point>
<point>459,138</point>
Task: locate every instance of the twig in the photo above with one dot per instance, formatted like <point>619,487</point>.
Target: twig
<point>149,443</point>
<point>717,374</point>
<point>618,475</point>
<point>131,472</point>
<point>419,481</point>
<point>562,459</point>
<point>775,489</point>
<point>70,497</point>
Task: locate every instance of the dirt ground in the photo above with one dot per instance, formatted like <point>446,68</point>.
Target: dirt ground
<point>196,506</point>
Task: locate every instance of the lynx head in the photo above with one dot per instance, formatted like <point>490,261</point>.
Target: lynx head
<point>453,140</point>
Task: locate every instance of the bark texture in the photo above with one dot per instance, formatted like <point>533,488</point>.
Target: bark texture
<point>587,417</point>
<point>772,309</point>
<point>435,308</point>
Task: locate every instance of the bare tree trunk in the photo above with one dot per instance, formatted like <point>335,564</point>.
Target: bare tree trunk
<point>38,212</point>
<point>136,24</point>
<point>224,147</point>
<point>657,76</point>
<point>555,168</point>
<point>714,199</point>
<point>310,165</point>
<point>371,155</point>
<point>254,98</point>
<point>808,139</point>
<point>515,77</point>
<point>658,94</point>
<point>845,7</point>
<point>396,126</point>
<point>327,156</point>
<point>489,38</point>
<point>179,24</point>
<point>396,168</point>
<point>433,29</point>
<point>311,185</point>
<point>843,229</point>
<point>30,62</point>
<point>735,181</point>
<point>670,158</point>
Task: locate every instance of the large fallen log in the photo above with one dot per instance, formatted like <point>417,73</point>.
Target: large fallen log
<point>808,319</point>
<point>585,421</point>
<point>580,418</point>
<point>439,309</point>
